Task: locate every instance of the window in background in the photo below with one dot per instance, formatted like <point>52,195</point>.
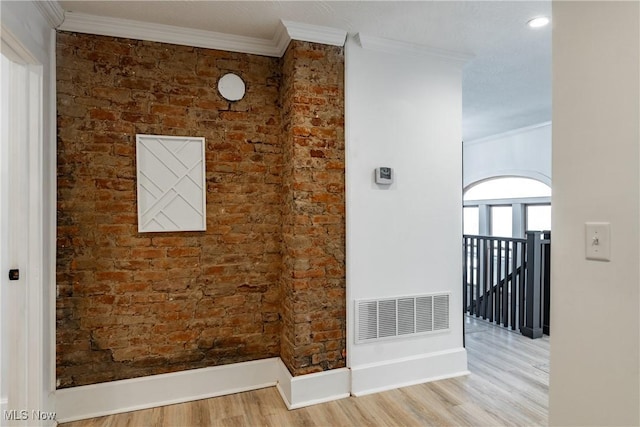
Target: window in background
<point>507,188</point>
<point>471,223</point>
<point>501,221</point>
<point>538,217</point>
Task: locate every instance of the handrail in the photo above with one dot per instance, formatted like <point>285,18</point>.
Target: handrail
<point>506,280</point>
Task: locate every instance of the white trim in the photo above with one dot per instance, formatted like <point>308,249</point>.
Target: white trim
<point>50,159</point>
<point>507,173</point>
<point>311,389</point>
<point>281,40</point>
<point>410,49</point>
<point>315,33</point>
<point>116,27</point>
<point>115,397</point>
<point>35,360</point>
<point>166,389</point>
<point>275,47</point>
<point>284,383</point>
<point>51,11</point>
<point>13,48</point>
<point>388,375</point>
<point>506,134</point>
<point>297,392</point>
<point>28,29</point>
<point>504,202</point>
<point>25,383</point>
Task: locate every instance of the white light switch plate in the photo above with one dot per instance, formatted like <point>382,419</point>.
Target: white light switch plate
<point>598,241</point>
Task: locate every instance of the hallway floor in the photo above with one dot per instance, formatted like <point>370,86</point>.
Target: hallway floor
<point>508,386</point>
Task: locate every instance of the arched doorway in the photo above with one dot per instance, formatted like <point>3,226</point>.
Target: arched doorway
<point>506,207</point>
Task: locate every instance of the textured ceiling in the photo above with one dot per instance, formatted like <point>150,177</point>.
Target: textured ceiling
<point>506,86</point>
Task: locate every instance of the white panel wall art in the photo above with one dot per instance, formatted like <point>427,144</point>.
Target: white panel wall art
<point>171,183</point>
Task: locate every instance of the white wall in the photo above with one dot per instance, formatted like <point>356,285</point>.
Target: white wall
<point>25,22</point>
<point>595,306</point>
<point>522,152</point>
<point>403,111</point>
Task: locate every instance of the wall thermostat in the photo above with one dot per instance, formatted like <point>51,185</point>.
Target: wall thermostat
<point>384,176</point>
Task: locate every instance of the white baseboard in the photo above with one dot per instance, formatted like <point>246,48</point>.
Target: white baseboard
<point>166,389</point>
<point>374,378</point>
<point>311,389</point>
<point>114,397</point>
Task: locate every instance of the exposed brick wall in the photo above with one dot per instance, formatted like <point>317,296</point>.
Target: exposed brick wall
<point>132,304</point>
<point>313,277</point>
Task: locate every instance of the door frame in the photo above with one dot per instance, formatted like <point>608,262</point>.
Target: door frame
<point>25,325</point>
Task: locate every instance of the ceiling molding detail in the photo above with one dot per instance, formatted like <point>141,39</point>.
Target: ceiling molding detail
<point>287,31</point>
<point>410,49</point>
<point>116,27</point>
<point>315,33</point>
<point>52,12</point>
<point>281,39</point>
<point>507,133</point>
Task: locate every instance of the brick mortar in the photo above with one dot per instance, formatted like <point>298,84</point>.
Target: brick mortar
<point>313,278</point>
<point>132,304</point>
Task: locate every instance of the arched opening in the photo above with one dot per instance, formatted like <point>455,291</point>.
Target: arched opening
<point>506,207</point>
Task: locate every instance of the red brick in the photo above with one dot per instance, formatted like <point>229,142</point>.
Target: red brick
<point>147,252</point>
<point>150,275</point>
<point>135,83</point>
<point>168,109</point>
<point>175,122</point>
<point>113,94</point>
<point>183,252</point>
<point>125,287</point>
<point>184,300</point>
<point>116,276</point>
<point>316,191</point>
<point>138,117</point>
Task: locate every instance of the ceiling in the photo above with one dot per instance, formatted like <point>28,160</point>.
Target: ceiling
<point>505,87</point>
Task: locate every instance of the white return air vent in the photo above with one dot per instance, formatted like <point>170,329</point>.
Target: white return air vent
<point>399,317</point>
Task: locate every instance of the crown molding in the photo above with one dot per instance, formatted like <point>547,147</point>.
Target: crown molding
<point>315,33</point>
<point>281,39</point>
<point>52,12</point>
<point>275,47</point>
<point>506,134</point>
<point>116,27</point>
<point>410,49</point>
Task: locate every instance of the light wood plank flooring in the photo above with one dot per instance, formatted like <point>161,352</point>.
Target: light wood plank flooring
<point>508,386</point>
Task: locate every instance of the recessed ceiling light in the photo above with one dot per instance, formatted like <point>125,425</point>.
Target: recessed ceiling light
<point>538,22</point>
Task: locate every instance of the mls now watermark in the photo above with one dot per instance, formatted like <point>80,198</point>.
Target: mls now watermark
<point>25,415</point>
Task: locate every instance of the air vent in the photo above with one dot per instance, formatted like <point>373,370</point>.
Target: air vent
<point>400,317</point>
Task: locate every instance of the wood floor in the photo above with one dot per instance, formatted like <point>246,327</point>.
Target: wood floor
<point>508,386</point>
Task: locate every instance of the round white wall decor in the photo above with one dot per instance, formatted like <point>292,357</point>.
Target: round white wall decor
<point>231,87</point>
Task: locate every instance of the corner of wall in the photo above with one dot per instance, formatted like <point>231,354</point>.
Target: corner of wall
<point>312,389</point>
